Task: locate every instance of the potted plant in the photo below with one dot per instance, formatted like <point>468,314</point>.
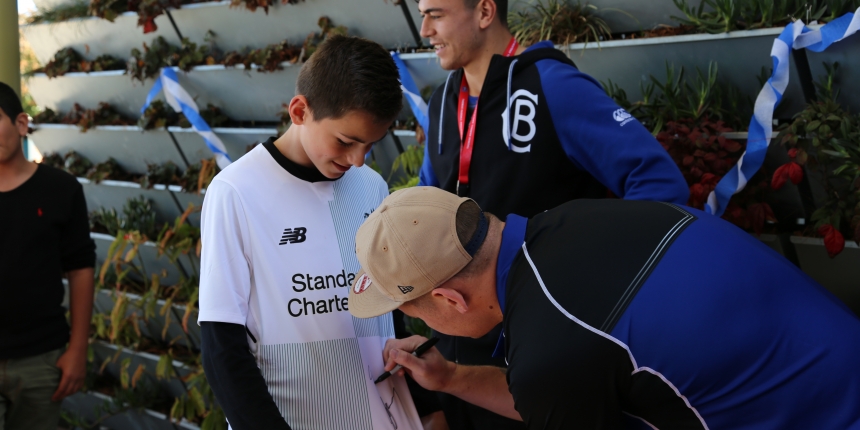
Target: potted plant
<point>824,144</point>
<point>691,118</point>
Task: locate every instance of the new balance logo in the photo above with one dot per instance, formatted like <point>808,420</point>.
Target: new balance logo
<point>294,235</point>
<point>405,290</point>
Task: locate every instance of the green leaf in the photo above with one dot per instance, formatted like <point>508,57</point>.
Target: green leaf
<point>195,397</point>
<point>124,378</point>
<point>176,411</point>
<point>834,153</point>
<point>821,213</point>
<point>164,368</point>
<point>813,125</point>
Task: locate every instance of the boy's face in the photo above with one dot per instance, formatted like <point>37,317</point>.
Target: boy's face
<point>11,130</point>
<point>335,145</point>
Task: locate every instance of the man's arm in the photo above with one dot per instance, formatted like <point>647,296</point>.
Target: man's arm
<point>484,386</point>
<point>73,362</point>
<point>600,138</point>
<point>78,261</point>
<point>225,288</point>
<point>236,380</point>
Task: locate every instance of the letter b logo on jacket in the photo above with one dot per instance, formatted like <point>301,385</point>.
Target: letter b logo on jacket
<point>524,105</point>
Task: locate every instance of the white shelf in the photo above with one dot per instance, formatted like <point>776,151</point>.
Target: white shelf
<point>243,95</point>
<point>134,148</point>
<point>237,28</point>
<point>93,36</point>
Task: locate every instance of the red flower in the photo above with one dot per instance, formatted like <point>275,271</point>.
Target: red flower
<point>149,26</point>
<point>792,153</point>
<point>710,180</point>
<point>790,170</point>
<point>698,192</point>
<point>834,242</point>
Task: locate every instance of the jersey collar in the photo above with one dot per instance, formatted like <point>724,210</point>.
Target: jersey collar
<point>513,237</point>
<point>307,174</point>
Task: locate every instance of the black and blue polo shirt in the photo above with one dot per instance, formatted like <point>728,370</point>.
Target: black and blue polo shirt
<point>627,314</point>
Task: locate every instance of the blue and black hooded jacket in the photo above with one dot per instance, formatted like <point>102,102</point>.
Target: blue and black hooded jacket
<point>552,135</point>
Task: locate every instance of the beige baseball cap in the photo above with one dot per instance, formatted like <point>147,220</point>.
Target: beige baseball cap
<point>408,247</point>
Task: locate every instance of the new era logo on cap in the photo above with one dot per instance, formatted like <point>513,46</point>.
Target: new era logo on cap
<point>405,290</point>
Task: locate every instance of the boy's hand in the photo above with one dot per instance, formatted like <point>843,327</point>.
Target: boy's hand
<point>73,365</point>
<point>431,370</point>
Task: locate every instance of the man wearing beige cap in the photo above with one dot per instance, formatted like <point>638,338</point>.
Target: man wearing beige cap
<point>615,314</point>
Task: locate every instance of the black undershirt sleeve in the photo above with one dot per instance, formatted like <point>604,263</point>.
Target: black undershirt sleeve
<point>78,251</point>
<point>236,380</point>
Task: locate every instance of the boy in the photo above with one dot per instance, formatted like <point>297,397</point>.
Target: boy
<point>280,348</point>
<point>44,233</point>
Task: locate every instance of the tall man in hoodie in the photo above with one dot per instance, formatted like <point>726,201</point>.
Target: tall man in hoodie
<point>545,133</point>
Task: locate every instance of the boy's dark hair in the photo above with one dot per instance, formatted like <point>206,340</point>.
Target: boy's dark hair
<point>351,73</point>
<point>9,102</point>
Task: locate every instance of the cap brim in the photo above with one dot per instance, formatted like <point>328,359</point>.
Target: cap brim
<point>371,302</point>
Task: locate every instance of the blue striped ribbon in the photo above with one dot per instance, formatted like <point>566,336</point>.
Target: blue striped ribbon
<point>795,36</point>
<point>181,101</point>
<point>413,95</point>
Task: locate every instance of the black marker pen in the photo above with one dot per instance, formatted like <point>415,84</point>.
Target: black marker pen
<point>424,347</point>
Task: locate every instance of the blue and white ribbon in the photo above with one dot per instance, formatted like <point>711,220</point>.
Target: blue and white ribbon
<point>795,36</point>
<point>181,101</point>
<point>413,95</point>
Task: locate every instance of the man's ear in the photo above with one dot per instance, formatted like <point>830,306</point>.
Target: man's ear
<point>299,110</point>
<point>451,298</point>
<point>487,11</point>
<point>22,123</point>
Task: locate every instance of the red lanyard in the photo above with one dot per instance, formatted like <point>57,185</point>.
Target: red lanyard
<point>467,142</point>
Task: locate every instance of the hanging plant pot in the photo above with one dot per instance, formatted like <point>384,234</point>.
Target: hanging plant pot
<point>840,275</point>
<point>114,355</point>
<point>154,327</point>
<point>93,406</point>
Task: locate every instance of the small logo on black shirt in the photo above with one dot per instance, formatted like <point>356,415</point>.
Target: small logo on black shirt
<point>405,290</point>
<point>294,235</point>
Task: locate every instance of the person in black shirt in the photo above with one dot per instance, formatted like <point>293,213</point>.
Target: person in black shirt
<point>615,314</point>
<point>44,233</point>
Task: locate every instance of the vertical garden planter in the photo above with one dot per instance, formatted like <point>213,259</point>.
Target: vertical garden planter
<point>633,15</point>
<point>740,56</point>
<point>115,194</point>
<point>114,355</point>
<point>91,407</point>
<point>130,146</point>
<point>154,327</point>
<point>840,275</point>
<point>847,53</point>
<point>93,36</point>
<point>153,262</point>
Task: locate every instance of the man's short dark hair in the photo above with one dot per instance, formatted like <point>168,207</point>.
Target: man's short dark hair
<point>9,102</point>
<point>501,9</point>
<point>351,73</point>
